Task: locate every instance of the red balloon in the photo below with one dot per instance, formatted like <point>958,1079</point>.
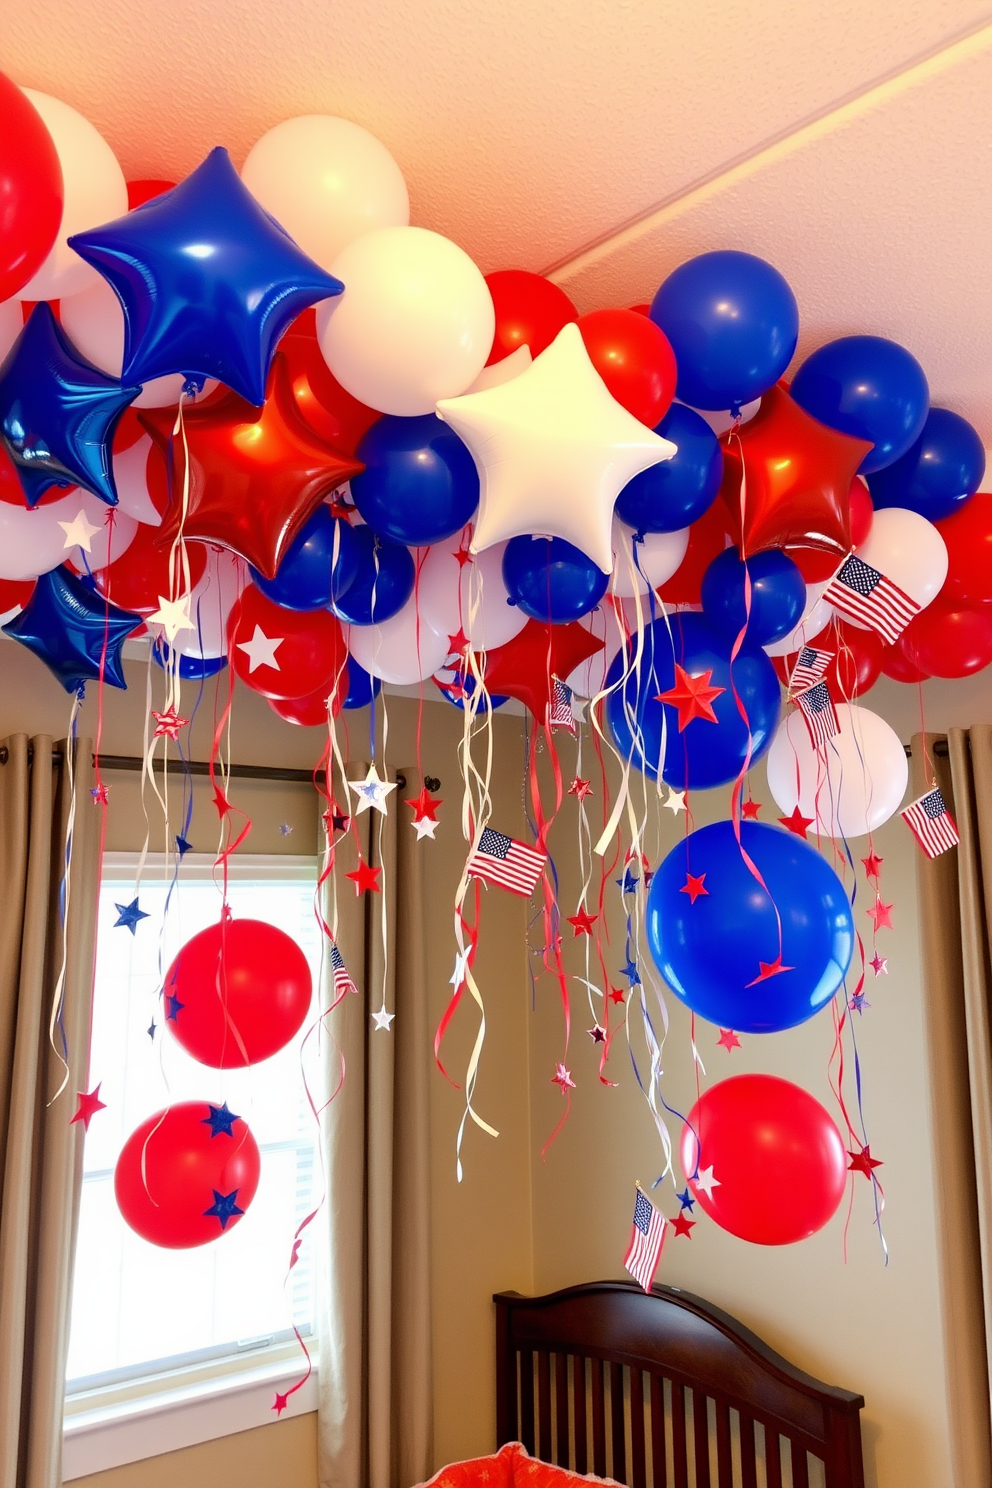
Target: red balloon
<point>899,667</point>
<point>707,539</point>
<point>321,401</point>
<point>634,358</point>
<point>968,535</point>
<point>815,565</point>
<point>243,989</point>
<point>644,309</point>
<point>14,593</point>
<point>30,189</point>
<point>530,311</point>
<point>129,430</point>
<point>311,711</point>
<point>185,1177</point>
<point>525,667</point>
<point>309,655</point>
<point>139,192</point>
<point>855,665</point>
<point>139,579</point>
<point>862,512</point>
<point>777,1159</point>
<point>947,640</point>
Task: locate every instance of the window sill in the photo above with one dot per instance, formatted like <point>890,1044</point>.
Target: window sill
<point>179,1416</point>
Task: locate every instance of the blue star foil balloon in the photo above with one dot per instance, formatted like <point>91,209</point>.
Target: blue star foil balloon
<point>208,281</point>
<point>66,623</point>
<point>58,412</point>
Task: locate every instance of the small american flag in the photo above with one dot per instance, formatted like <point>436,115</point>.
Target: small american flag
<point>342,976</point>
<point>504,861</point>
<point>931,824</point>
<point>864,594</point>
<point>647,1236</point>
<point>809,668</point>
<point>560,711</point>
<point>819,713</point>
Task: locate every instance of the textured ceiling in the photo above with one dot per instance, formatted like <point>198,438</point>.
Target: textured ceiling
<point>849,143</point>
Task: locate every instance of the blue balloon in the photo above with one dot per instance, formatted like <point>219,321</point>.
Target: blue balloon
<point>937,474</point>
<point>869,387</point>
<point>58,412</point>
<point>778,596</point>
<point>420,484</point>
<point>551,580</point>
<point>208,281</point>
<point>66,623</point>
<point>362,687</point>
<point>670,496</point>
<point>192,666</point>
<point>733,323</point>
<point>704,754</point>
<point>309,577</point>
<point>711,927</point>
<point>383,583</point>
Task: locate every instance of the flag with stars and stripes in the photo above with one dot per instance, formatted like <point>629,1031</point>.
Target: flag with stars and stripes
<point>342,976</point>
<point>504,861</point>
<point>809,668</point>
<point>819,714</point>
<point>560,711</point>
<point>647,1236</point>
<point>863,594</point>
<point>931,824</point>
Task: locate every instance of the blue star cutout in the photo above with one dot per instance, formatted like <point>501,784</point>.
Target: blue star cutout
<point>224,1207</point>
<point>128,915</point>
<point>630,972</point>
<point>183,846</point>
<point>207,279</point>
<point>858,1003</point>
<point>58,412</point>
<point>686,1200</point>
<point>66,623</point>
<point>628,883</point>
<point>151,1030</point>
<point>220,1121</point>
<point>173,1007</point>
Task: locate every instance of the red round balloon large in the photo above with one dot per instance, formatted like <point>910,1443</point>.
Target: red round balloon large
<point>899,667</point>
<point>187,1174</point>
<point>139,193</point>
<point>530,311</point>
<point>775,1156</point>
<point>968,535</point>
<point>634,358</point>
<point>816,565</point>
<point>311,711</point>
<point>284,653</point>
<point>14,592</point>
<point>243,989</point>
<point>948,640</point>
<point>139,579</point>
<point>31,195</point>
<point>855,665</point>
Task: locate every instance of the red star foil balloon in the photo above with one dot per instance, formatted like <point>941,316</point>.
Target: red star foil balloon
<point>255,475</point>
<point>798,479</point>
<point>321,401</point>
<point>525,667</point>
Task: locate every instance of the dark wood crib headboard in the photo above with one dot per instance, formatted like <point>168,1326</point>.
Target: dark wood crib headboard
<point>661,1389</point>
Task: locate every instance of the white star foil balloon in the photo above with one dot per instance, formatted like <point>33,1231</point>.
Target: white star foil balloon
<point>554,449</point>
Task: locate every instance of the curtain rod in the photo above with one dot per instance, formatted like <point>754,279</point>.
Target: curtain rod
<point>132,763</point>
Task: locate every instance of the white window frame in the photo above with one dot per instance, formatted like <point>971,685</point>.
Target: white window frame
<point>197,1399</point>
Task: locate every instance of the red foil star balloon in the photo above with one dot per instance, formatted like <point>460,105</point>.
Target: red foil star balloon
<point>333,414</point>
<point>798,479</point>
<point>525,667</point>
<point>255,475</point>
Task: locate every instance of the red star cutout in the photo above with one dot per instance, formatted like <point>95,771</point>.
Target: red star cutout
<point>463,556</point>
<point>616,995</point>
<point>335,820</point>
<point>597,1033</point>
<point>255,475</point>
<point>863,1162</point>
<point>694,887</point>
<point>341,509</point>
<point>582,923</point>
<point>580,788</point>
<point>424,805</point>
<point>797,822</point>
<point>525,666</point>
<point>879,965</point>
<point>168,724</point>
<point>99,794</point>
<point>88,1106</point>
<point>728,1039</point>
<point>881,915</point>
<point>563,1077</point>
<point>872,865</point>
<point>365,877</point>
<point>221,802</point>
<point>458,643</point>
<point>750,809</point>
<point>281,1403</point>
<point>767,969</point>
<point>692,696</point>
<point>682,1224</point>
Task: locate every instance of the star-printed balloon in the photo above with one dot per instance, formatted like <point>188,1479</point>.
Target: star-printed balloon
<point>58,412</point>
<point>208,281</point>
<point>67,624</point>
<point>525,668</point>
<point>554,449</point>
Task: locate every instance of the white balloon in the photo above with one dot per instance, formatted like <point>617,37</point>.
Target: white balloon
<point>32,542</point>
<point>415,322</point>
<point>131,480</point>
<point>854,785</point>
<point>94,322</point>
<point>503,371</point>
<point>610,623</point>
<point>651,563</point>
<point>402,649</point>
<point>816,613</point>
<point>907,549</point>
<point>483,611</point>
<point>326,181</point>
<point>114,536</point>
<point>94,192</point>
<point>11,325</point>
<point>211,601</point>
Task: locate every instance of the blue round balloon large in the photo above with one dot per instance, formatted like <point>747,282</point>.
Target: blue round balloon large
<point>733,323</point>
<point>937,474</point>
<point>311,576</point>
<point>420,483</point>
<point>670,496</point>
<point>778,595</point>
<point>705,753</point>
<point>382,584</point>
<point>713,931</point>
<point>870,387</point>
<point>192,666</point>
<point>551,580</point>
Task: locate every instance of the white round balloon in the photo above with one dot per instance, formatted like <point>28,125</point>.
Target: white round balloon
<point>211,601</point>
<point>610,623</point>
<point>402,649</point>
<point>32,542</point>
<point>326,181</point>
<point>131,480</point>
<point>114,534</point>
<point>94,192</point>
<point>816,613</point>
<point>415,322</point>
<point>471,595</point>
<point>907,549</point>
<point>852,786</point>
<point>94,322</point>
<point>11,325</point>
<point>644,566</point>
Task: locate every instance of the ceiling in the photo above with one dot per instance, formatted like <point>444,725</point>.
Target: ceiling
<point>604,140</point>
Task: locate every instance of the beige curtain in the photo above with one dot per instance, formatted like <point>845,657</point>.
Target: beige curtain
<point>40,1151</point>
<point>375,1419</point>
<point>956,911</point>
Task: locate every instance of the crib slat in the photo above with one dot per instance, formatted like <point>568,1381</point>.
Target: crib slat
<point>659,1456</point>
<point>800,1467</point>
<point>619,1467</point>
<point>527,1399</point>
<point>544,1405</point>
<point>749,1461</point>
<point>598,1420</point>
<point>701,1438</point>
<point>724,1451</point>
<point>561,1408</point>
<point>773,1458</point>
<point>678,1436</point>
<point>579,1405</point>
<point>638,1478</point>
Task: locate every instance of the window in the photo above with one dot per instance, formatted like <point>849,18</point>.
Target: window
<point>146,1319</point>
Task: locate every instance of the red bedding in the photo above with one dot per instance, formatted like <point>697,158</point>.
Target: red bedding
<point>511,1467</point>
